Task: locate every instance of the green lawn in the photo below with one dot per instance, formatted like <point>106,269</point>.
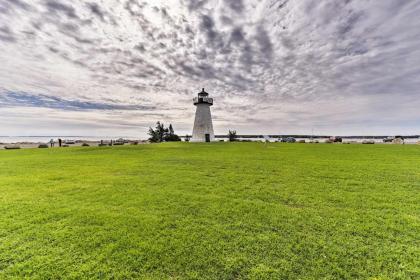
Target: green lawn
<point>211,211</point>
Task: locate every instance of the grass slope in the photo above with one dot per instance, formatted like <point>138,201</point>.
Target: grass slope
<point>211,211</point>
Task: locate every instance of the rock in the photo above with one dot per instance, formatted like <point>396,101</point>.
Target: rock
<point>12,147</point>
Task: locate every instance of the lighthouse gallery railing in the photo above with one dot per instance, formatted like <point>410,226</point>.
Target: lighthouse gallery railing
<point>203,100</point>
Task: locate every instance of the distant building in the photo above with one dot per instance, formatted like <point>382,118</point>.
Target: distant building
<point>203,125</point>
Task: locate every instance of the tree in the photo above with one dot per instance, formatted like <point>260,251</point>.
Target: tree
<point>171,130</point>
<point>158,134</point>
<point>171,136</point>
<point>232,135</point>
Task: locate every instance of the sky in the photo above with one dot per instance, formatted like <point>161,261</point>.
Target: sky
<point>115,67</point>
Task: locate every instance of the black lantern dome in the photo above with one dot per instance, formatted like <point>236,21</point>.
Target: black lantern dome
<point>203,98</point>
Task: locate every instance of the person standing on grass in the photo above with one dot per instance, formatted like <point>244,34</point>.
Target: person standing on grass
<point>52,143</point>
<point>59,142</point>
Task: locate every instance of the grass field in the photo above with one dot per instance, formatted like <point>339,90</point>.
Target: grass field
<point>211,211</point>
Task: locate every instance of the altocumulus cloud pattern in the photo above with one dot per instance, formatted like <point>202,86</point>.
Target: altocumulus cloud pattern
<point>274,66</point>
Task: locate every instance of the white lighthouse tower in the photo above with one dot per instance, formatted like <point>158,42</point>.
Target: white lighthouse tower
<point>203,125</point>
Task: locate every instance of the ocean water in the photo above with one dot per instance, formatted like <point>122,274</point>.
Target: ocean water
<point>46,139</point>
<point>322,140</point>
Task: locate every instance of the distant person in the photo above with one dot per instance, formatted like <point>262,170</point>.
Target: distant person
<point>59,142</point>
<point>52,143</point>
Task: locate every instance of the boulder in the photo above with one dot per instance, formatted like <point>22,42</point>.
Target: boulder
<point>12,147</point>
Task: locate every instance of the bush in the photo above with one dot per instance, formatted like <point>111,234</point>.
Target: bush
<point>118,143</point>
<point>232,135</point>
<point>135,143</point>
<point>42,146</point>
<point>85,145</point>
<point>102,144</point>
<point>172,138</point>
<point>65,146</point>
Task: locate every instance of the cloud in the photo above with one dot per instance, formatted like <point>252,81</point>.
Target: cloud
<point>6,35</point>
<point>23,99</point>
<point>97,11</point>
<point>59,8</point>
<point>265,62</point>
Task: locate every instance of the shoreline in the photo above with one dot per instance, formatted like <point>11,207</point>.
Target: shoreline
<point>77,143</point>
<point>94,143</point>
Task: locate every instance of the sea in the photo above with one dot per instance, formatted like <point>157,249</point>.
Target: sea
<point>322,140</point>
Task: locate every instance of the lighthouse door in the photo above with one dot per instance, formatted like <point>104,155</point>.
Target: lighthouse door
<point>207,137</point>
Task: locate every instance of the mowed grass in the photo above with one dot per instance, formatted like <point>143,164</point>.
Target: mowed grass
<point>211,211</point>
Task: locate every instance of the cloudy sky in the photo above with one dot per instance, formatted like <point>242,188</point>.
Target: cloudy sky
<point>115,67</point>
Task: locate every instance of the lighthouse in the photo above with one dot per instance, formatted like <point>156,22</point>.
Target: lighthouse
<point>203,125</point>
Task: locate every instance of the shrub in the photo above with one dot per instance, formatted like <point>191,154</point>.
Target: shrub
<point>102,144</point>
<point>42,146</point>
<point>172,138</point>
<point>85,145</point>
<point>65,145</point>
<point>232,135</point>
<point>135,143</point>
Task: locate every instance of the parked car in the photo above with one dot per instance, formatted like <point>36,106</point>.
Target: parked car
<point>388,139</point>
<point>122,140</point>
<point>288,140</point>
<point>336,139</point>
